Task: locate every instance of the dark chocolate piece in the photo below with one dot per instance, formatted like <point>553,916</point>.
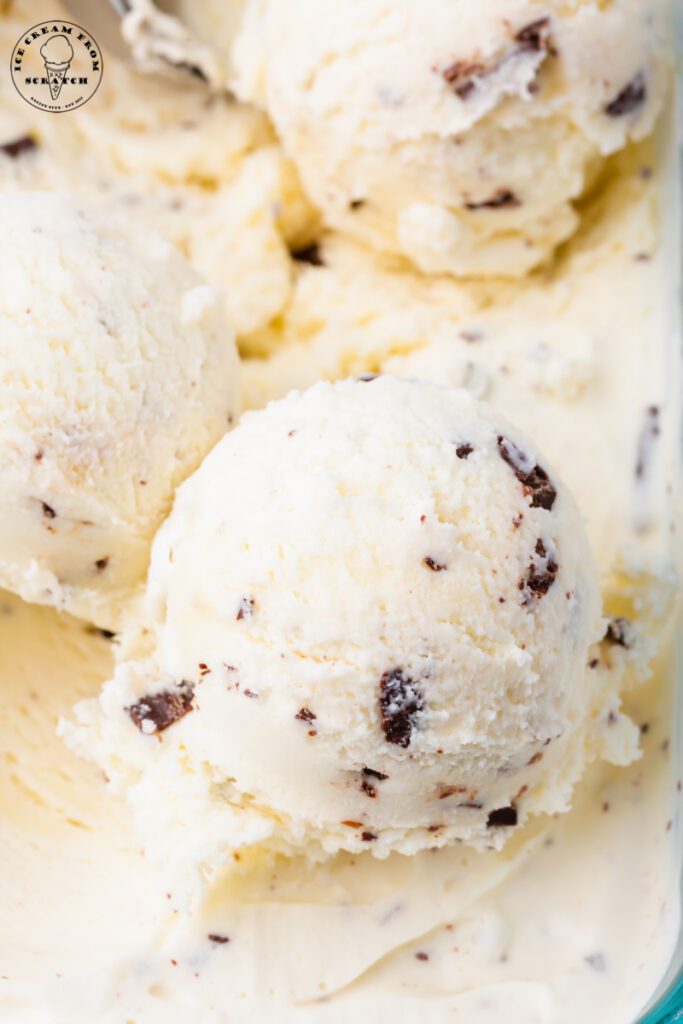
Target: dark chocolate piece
<point>102,563</point>
<point>163,709</point>
<point>464,450</point>
<point>309,254</point>
<point>434,566</point>
<point>357,204</point>
<point>368,837</point>
<point>246,608</point>
<point>220,939</point>
<point>620,631</point>
<point>542,573</point>
<point>533,478</point>
<point>400,703</point>
<point>305,715</point>
<point>48,511</point>
<point>368,789</point>
<point>501,199</point>
<point>372,774</point>
<point>17,147</point>
<point>534,37</point>
<point>502,816</point>
<point>422,956</point>
<point>630,98</point>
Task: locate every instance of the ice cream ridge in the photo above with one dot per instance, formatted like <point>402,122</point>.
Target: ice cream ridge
<point>373,624</point>
<point>118,373</point>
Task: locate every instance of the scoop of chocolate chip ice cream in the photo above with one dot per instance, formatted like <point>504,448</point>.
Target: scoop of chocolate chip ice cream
<point>455,132</point>
<point>118,372</point>
<point>373,607</point>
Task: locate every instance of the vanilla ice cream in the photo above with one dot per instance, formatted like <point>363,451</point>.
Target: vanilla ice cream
<point>375,603</point>
<point>455,133</point>
<point>118,373</point>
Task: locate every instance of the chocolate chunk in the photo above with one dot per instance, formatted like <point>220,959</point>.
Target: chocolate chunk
<point>400,703</point>
<point>356,204</point>
<point>246,608</point>
<point>450,790</point>
<point>499,200</point>
<point>649,432</point>
<point>372,774</point>
<point>620,631</point>
<point>368,789</point>
<point>534,37</point>
<point>464,450</point>
<point>17,147</point>
<point>365,378</point>
<point>434,566</point>
<point>535,759</point>
<point>309,254</point>
<point>630,98</point>
<point>250,693</point>
<point>368,837</point>
<point>533,478</point>
<point>157,711</point>
<point>596,961</point>
<point>422,956</point>
<point>220,939</point>
<point>305,715</point>
<point>502,816</point>
<point>542,572</point>
<point>48,511</point>
<point>461,76</point>
<point>474,805</point>
<point>102,563</point>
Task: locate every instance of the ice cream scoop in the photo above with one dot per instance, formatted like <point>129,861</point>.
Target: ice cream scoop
<point>373,607</point>
<point>118,373</point>
<point>456,134</point>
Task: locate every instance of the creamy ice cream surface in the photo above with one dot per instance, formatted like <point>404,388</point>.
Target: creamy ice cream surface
<point>375,608</point>
<point>457,134</point>
<point>317,785</point>
<point>118,372</point>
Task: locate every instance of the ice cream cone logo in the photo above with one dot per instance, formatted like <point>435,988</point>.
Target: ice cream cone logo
<point>57,54</point>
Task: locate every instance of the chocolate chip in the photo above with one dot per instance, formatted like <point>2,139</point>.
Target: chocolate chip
<point>372,774</point>
<point>461,74</point>
<point>649,432</point>
<point>250,693</point>
<point>596,961</point>
<point>474,805</point>
<point>501,199</point>
<point>400,703</point>
<point>220,939</point>
<point>630,98</point>
<point>434,566</point>
<point>309,254</point>
<point>246,608</point>
<point>620,631</point>
<point>17,147</point>
<point>517,520</point>
<point>422,956</point>
<point>48,511</point>
<point>464,450</point>
<point>368,789</point>
<point>368,837</point>
<point>541,574</point>
<point>162,709</point>
<point>305,715</point>
<point>102,563</point>
<point>502,816</point>
<point>594,662</point>
<point>356,204</point>
<point>353,824</point>
<point>365,378</point>
<point>535,759</point>
<point>533,478</point>
<point>534,37</point>
<point>450,790</point>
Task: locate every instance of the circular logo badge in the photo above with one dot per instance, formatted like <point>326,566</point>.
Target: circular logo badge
<point>56,66</point>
